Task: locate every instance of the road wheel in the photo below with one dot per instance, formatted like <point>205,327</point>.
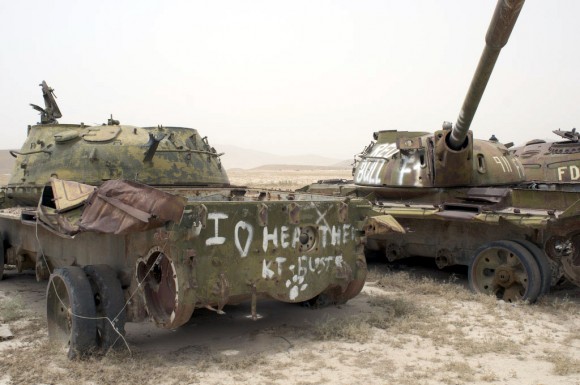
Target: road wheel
<point>109,304</point>
<point>543,264</point>
<point>507,270</point>
<point>70,312</point>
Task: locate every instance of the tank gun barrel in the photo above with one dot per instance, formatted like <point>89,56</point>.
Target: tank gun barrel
<point>498,33</point>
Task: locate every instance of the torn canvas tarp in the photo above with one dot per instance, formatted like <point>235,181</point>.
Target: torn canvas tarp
<point>121,207</point>
<point>116,207</point>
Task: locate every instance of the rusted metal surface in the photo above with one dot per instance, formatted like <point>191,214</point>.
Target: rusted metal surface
<point>189,252</point>
<point>180,254</point>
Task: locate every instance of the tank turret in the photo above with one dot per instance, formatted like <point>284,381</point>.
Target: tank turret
<point>552,165</point>
<point>450,157</point>
<point>156,156</point>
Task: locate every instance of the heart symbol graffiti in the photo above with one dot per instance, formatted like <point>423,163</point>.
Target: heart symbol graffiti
<point>241,225</point>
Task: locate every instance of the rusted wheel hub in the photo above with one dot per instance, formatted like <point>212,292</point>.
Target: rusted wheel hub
<point>504,276</point>
<point>507,270</point>
<point>160,283</point>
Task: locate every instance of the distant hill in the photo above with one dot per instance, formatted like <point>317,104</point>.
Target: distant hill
<point>241,158</point>
<point>286,167</point>
<point>343,164</point>
<point>237,157</point>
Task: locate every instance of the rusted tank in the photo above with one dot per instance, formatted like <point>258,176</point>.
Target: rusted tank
<point>130,223</point>
<point>468,201</point>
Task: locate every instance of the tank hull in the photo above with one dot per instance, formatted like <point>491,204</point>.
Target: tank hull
<point>451,224</point>
<point>229,245</point>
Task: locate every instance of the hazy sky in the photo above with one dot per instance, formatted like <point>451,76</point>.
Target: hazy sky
<point>292,77</point>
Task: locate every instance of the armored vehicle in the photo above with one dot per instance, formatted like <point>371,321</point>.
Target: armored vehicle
<point>468,201</point>
<point>130,223</point>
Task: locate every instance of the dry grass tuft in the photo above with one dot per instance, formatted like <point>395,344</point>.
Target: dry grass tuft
<point>397,307</point>
<point>561,306</point>
<point>50,365</point>
<point>490,376</point>
<point>563,364</point>
<point>403,281</point>
<point>499,345</point>
<point>359,328</point>
<point>430,319</point>
<point>374,274</point>
<point>458,371</point>
<point>242,362</point>
<point>354,329</point>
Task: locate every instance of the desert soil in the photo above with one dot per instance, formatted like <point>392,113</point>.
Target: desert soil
<point>412,324</point>
<point>284,177</point>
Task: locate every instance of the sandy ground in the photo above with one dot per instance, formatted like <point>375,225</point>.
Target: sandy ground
<point>412,324</point>
<point>284,177</point>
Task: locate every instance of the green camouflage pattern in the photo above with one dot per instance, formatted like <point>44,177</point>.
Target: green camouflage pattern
<point>94,154</point>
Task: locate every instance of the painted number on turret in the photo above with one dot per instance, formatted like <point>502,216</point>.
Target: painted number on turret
<point>506,164</point>
<point>369,170</point>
